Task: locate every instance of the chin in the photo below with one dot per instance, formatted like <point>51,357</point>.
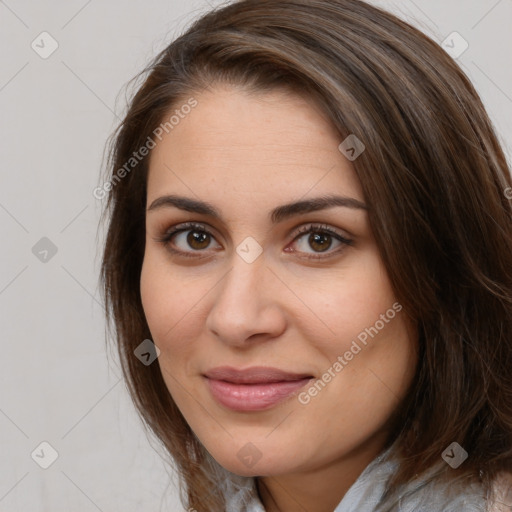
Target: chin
<point>249,461</point>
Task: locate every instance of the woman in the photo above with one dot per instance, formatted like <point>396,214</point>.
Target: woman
<point>309,225</point>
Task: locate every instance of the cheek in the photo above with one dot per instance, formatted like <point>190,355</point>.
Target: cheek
<point>165,306</point>
<point>170,304</point>
<point>156,296</point>
<point>346,303</point>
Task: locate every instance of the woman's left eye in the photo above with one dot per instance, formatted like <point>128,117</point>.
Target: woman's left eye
<point>317,240</point>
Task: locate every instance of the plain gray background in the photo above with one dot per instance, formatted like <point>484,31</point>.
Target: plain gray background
<point>57,384</point>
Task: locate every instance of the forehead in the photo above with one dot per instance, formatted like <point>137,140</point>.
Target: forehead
<point>259,145</point>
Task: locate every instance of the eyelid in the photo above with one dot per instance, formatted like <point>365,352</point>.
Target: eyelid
<point>320,227</point>
<point>184,226</point>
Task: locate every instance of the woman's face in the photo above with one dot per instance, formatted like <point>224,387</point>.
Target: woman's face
<point>281,340</point>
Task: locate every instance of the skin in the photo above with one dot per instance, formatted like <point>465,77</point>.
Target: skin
<point>246,154</point>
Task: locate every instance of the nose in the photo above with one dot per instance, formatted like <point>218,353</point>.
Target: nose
<point>246,305</point>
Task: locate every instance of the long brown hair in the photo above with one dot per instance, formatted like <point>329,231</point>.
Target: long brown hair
<point>433,174</point>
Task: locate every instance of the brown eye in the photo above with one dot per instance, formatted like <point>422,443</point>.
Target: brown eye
<point>320,242</point>
<point>189,240</point>
<point>198,240</point>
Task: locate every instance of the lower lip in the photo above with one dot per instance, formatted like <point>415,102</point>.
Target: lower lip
<point>253,397</point>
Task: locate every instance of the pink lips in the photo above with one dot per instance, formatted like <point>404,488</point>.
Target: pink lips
<point>253,389</point>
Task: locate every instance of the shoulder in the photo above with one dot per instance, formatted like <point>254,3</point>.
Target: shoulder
<point>501,497</point>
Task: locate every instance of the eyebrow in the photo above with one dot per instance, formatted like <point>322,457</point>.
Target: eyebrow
<point>278,214</point>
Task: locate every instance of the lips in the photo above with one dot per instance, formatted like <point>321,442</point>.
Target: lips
<point>255,388</point>
<point>254,375</point>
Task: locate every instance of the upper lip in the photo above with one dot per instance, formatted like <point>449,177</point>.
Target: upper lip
<point>253,375</point>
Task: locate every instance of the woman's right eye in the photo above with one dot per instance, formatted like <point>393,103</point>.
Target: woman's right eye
<point>187,239</point>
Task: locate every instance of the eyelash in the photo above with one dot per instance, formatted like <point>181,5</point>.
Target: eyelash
<point>309,228</point>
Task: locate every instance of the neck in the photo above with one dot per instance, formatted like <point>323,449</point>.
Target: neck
<point>321,489</point>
